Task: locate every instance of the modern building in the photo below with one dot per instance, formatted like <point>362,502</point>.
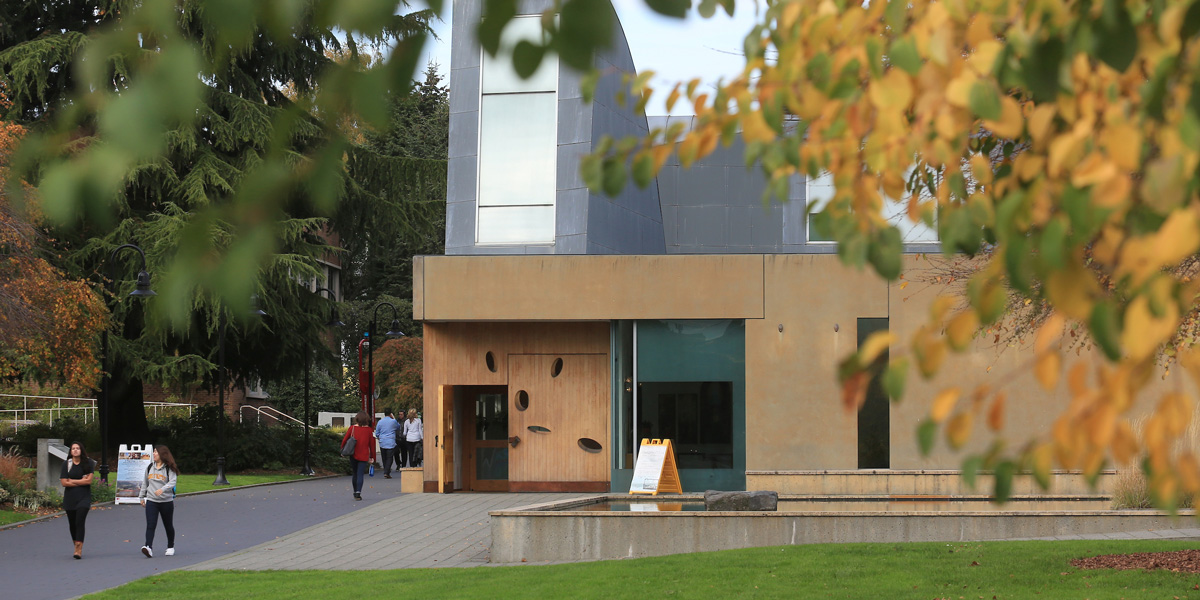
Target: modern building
<point>561,327</point>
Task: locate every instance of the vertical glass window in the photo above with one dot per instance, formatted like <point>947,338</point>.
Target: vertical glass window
<point>518,145</point>
<point>691,378</point>
<point>518,141</point>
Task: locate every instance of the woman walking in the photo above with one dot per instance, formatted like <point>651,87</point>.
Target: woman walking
<point>158,487</point>
<point>414,434</point>
<point>364,449</point>
<point>76,478</point>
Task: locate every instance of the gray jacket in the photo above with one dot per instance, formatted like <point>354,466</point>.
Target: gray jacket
<point>159,479</point>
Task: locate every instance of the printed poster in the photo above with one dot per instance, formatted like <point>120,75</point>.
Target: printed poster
<point>132,462</point>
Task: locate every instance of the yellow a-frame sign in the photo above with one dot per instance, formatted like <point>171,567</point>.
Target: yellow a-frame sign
<point>655,471</point>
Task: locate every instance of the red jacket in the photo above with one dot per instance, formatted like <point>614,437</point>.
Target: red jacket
<point>364,449</point>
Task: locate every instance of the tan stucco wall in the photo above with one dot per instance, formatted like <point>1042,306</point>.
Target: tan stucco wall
<point>794,417</point>
<point>550,288</point>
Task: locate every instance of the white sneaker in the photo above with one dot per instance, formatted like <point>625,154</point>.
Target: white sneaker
<point>148,552</point>
<point>170,552</point>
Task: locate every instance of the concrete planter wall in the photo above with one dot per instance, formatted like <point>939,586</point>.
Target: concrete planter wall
<point>533,534</point>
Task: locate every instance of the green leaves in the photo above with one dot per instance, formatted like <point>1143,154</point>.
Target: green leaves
<point>679,8</point>
<point>526,58</point>
<point>1116,40</point>
<point>885,253</point>
<point>904,54</point>
<point>985,100</point>
<point>1106,328</point>
<point>926,436</point>
<point>1040,66</point>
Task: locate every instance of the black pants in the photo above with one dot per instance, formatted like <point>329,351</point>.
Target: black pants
<point>76,519</point>
<point>402,450</point>
<point>414,452</point>
<point>387,459</point>
<point>167,511</point>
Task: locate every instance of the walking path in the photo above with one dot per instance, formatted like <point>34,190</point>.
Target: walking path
<point>36,563</point>
<point>413,530</point>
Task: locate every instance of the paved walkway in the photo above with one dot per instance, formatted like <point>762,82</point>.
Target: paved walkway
<point>414,530</point>
<point>36,563</point>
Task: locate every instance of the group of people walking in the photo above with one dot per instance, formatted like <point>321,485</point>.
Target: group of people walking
<point>157,495</point>
<point>399,442</point>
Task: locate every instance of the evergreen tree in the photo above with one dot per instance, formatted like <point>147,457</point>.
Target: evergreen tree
<point>237,173</point>
<point>409,219</point>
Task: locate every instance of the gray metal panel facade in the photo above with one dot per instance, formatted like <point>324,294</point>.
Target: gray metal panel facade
<point>584,223</point>
<point>715,207</point>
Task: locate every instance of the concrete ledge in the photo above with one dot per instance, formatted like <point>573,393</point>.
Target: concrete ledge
<point>915,481</point>
<point>527,535</point>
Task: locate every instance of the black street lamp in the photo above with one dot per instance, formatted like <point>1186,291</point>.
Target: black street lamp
<point>393,332</point>
<point>256,311</point>
<point>334,321</point>
<point>141,291</point>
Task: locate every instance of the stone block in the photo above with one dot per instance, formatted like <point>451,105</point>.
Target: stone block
<point>51,454</point>
<point>741,501</point>
<point>412,480</point>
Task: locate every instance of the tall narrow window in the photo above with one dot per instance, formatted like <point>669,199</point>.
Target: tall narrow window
<point>518,144</point>
<point>874,418</point>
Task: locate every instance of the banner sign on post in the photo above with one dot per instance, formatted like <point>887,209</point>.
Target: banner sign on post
<point>655,470</point>
<point>132,462</point>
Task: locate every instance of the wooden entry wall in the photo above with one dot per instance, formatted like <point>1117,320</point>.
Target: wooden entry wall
<point>572,405</point>
<point>456,354</point>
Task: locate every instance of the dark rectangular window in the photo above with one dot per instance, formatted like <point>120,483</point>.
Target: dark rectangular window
<point>874,421</point>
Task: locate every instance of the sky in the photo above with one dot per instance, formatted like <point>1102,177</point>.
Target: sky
<point>675,49</point>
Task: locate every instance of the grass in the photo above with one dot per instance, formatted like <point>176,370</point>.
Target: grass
<point>12,516</point>
<point>202,482</point>
<point>987,570</point>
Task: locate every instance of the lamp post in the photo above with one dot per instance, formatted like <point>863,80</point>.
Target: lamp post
<point>256,311</point>
<point>393,332</point>
<point>141,291</point>
<point>334,321</point>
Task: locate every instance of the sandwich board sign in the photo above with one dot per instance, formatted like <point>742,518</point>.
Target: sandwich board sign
<point>132,462</point>
<point>655,471</point>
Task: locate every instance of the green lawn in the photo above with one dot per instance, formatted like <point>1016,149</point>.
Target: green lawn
<point>197,483</point>
<point>920,571</point>
<point>12,516</point>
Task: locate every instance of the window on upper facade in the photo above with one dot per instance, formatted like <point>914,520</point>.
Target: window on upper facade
<point>518,145</point>
<point>820,191</point>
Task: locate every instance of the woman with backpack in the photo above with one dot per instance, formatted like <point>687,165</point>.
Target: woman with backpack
<point>76,478</point>
<point>362,452</point>
<point>158,496</point>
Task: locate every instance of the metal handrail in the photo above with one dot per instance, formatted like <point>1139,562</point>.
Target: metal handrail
<point>277,414</point>
<point>20,416</point>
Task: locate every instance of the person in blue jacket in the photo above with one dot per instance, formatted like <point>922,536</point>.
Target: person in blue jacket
<point>385,432</point>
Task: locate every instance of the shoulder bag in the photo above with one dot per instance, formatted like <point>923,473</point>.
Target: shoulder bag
<point>348,447</point>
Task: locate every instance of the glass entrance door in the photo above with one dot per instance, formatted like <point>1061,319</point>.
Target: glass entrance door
<point>486,465</point>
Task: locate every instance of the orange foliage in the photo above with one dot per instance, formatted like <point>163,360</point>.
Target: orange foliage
<point>48,322</point>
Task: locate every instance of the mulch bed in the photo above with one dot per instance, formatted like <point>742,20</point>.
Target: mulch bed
<point>1179,561</point>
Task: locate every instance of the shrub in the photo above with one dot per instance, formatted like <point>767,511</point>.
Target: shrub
<point>4,495</point>
<point>102,492</point>
<point>13,470</point>
<point>69,429</point>
<point>1130,487</point>
<point>36,499</point>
